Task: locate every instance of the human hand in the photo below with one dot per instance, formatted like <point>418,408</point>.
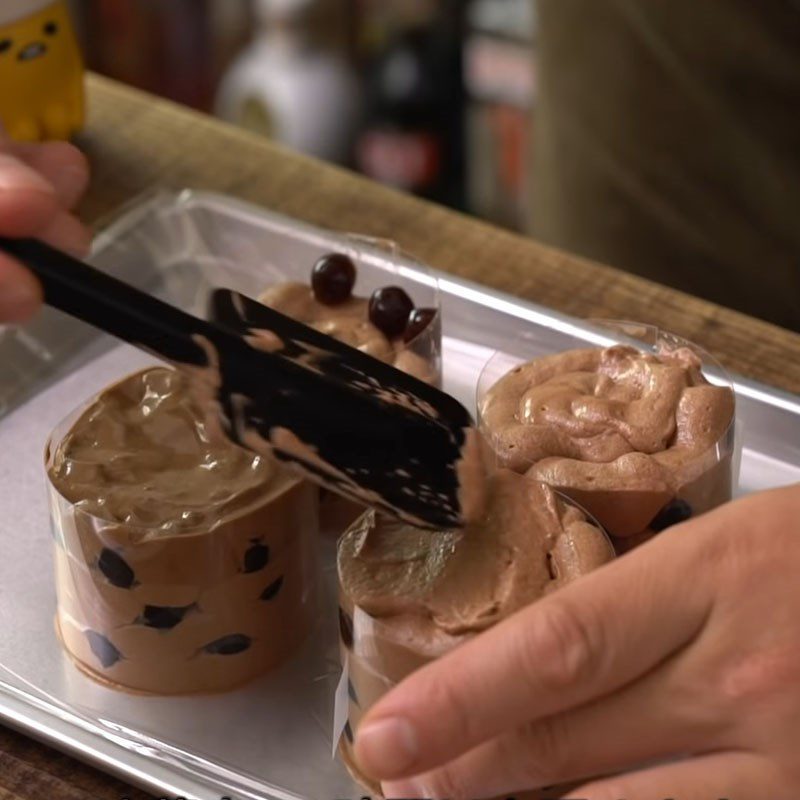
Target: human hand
<point>684,655</point>
<point>39,184</point>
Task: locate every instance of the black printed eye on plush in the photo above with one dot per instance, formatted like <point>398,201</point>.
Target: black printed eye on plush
<point>51,28</point>
<point>5,45</point>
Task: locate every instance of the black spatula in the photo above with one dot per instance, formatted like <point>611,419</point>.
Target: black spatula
<point>353,424</point>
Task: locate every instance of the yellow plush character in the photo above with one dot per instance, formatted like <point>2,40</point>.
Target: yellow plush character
<point>41,71</point>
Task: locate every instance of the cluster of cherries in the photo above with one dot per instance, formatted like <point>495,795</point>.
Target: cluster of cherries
<point>391,310</point>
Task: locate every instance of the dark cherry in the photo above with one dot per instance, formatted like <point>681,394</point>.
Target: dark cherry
<point>346,628</point>
<point>271,592</point>
<point>229,645</point>
<point>256,558</point>
<point>106,653</point>
<point>673,513</point>
<point>389,310</point>
<point>418,321</point>
<point>333,279</point>
<point>116,569</point>
<point>164,618</point>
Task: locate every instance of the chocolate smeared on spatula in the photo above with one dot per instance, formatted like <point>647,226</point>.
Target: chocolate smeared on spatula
<point>350,422</point>
<point>388,439</point>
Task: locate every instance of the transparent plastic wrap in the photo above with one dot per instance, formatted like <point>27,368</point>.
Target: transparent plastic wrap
<point>164,587</point>
<point>394,619</point>
<point>641,446</point>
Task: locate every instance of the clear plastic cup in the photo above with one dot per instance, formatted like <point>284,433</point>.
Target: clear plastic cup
<point>199,610</point>
<point>643,492</point>
<point>378,652</point>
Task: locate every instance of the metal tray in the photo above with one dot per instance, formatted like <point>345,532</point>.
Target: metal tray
<point>272,739</point>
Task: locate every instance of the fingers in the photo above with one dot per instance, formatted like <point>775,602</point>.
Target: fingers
<point>20,292</point>
<point>60,164</point>
<point>28,202</point>
<point>734,776</point>
<point>67,233</point>
<point>582,643</point>
<point>659,717</point>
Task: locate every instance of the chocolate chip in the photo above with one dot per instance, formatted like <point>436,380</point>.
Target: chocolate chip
<point>272,590</point>
<point>164,618</point>
<point>389,310</point>
<point>333,279</point>
<point>346,628</point>
<point>106,653</point>
<point>116,569</point>
<point>418,320</point>
<point>256,558</point>
<point>229,645</point>
<point>673,513</point>
<point>348,732</point>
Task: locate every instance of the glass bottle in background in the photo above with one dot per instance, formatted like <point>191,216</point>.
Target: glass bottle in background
<point>292,84</point>
<point>500,78</point>
<point>413,134</point>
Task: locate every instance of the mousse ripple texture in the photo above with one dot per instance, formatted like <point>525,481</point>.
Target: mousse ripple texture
<point>636,438</point>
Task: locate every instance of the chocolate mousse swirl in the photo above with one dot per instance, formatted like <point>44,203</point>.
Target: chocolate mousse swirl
<point>348,322</point>
<point>143,455</point>
<point>527,543</point>
<point>609,420</point>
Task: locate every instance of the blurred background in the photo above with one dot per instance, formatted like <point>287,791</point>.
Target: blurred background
<point>436,97</point>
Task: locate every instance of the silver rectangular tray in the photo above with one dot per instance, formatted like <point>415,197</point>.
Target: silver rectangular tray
<point>272,739</point>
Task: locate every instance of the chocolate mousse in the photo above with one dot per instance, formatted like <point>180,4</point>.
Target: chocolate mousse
<point>385,325</point>
<point>641,440</point>
<point>408,596</point>
<point>183,563</point>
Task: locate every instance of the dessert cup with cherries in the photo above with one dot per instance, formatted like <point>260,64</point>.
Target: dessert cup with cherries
<point>408,596</point>
<point>361,296</point>
<point>639,433</point>
<point>183,563</point>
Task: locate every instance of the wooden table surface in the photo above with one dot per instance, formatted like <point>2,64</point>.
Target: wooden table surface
<point>136,142</point>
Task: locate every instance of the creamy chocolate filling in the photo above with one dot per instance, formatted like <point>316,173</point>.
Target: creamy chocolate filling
<point>527,542</point>
<point>597,422</point>
<point>143,454</point>
<point>349,322</point>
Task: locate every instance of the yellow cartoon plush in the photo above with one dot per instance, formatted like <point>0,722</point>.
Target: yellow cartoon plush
<point>41,71</point>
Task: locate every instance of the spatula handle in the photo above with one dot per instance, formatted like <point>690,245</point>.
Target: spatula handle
<point>99,299</point>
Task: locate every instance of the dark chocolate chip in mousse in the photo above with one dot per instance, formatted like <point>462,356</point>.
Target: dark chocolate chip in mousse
<point>164,618</point>
<point>106,653</point>
<point>351,690</point>
<point>271,592</point>
<point>389,310</point>
<point>348,732</point>
<point>116,569</point>
<point>333,279</point>
<point>673,513</point>
<point>346,628</point>
<point>229,645</point>
<point>256,558</point>
<point>418,320</point>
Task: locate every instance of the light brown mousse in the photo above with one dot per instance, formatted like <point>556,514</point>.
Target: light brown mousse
<point>348,322</point>
<point>408,596</point>
<point>599,422</point>
<point>184,562</point>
